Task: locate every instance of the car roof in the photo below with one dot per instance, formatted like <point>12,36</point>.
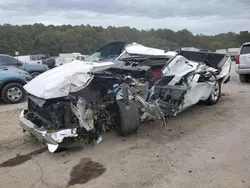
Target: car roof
<point>5,55</point>
<point>246,43</point>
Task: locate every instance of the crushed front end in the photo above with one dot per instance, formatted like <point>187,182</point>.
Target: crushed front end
<point>59,122</point>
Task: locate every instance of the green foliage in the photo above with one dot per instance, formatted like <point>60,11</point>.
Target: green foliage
<point>37,38</point>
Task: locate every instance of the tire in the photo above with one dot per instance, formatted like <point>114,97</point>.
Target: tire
<point>35,74</point>
<point>13,93</point>
<point>215,94</point>
<point>129,118</point>
<point>244,77</point>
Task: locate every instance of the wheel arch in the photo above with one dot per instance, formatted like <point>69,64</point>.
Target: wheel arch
<point>11,81</point>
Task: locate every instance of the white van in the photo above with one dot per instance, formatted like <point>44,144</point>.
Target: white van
<point>30,59</point>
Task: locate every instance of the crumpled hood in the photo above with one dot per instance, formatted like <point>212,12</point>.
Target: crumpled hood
<point>62,80</point>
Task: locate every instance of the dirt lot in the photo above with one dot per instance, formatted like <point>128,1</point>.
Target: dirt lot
<point>210,149</point>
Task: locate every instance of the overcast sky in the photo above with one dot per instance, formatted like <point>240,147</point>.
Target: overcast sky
<point>198,16</point>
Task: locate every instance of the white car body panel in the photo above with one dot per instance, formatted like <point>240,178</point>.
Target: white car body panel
<point>144,50</point>
<point>139,49</point>
<point>180,66</point>
<point>225,70</point>
<point>62,80</point>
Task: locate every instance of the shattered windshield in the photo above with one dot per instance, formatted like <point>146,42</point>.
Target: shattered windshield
<point>94,57</point>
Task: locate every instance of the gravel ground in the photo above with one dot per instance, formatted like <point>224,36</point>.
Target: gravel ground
<point>10,107</point>
<point>212,149</point>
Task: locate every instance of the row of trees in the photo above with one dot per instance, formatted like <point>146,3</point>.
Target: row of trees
<point>38,38</point>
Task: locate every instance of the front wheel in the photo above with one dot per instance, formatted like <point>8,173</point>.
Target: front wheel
<point>215,94</point>
<point>13,93</point>
<point>129,119</point>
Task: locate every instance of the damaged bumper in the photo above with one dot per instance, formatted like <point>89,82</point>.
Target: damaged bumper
<point>51,139</point>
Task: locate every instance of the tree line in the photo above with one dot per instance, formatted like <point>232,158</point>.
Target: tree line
<point>38,38</point>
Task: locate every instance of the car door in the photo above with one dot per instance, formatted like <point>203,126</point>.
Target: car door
<point>244,57</point>
<point>7,61</point>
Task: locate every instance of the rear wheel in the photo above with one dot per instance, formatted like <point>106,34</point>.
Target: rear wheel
<point>129,120</point>
<point>215,94</point>
<point>13,93</point>
<point>244,77</point>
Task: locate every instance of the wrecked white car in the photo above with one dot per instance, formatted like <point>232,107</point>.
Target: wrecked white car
<point>79,101</point>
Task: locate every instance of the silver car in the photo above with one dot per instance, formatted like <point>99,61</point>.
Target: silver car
<point>243,62</point>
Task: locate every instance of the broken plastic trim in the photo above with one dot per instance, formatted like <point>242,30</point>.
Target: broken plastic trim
<point>52,140</point>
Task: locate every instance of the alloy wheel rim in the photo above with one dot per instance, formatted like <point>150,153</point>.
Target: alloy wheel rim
<point>14,93</point>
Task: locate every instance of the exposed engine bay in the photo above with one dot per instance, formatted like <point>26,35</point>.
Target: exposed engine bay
<point>93,98</point>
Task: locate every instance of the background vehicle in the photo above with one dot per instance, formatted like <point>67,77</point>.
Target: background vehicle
<point>11,84</point>
<point>243,62</point>
<point>33,69</point>
<point>47,60</point>
<point>80,57</point>
<point>233,52</point>
<point>66,58</point>
<point>29,59</point>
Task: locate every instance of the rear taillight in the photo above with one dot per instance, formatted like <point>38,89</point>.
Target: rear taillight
<point>156,74</point>
<point>45,62</point>
<point>237,59</point>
